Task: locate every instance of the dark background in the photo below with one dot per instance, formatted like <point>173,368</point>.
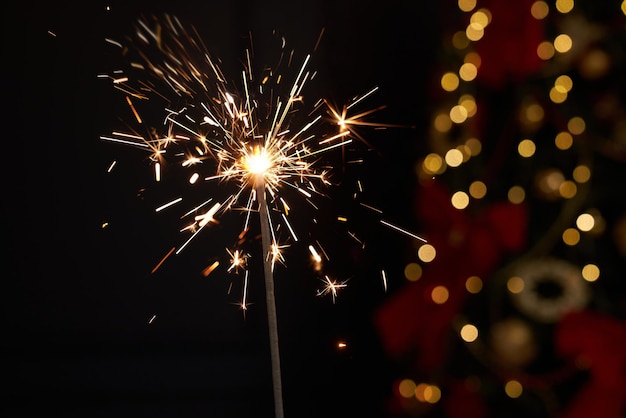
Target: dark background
<point>78,297</point>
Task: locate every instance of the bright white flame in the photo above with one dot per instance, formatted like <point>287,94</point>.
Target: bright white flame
<point>258,162</point>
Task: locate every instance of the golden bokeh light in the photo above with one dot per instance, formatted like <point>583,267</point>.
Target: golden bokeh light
<point>515,284</point>
<point>534,112</point>
<point>459,40</point>
<point>460,200</point>
<point>568,189</point>
<point>474,284</point>
<point>419,391</point>
<point>557,95</point>
<point>474,32</point>
<point>469,333</point>
<point>454,157</point>
<point>564,6</point>
<point>563,140</point>
<point>564,83</point>
<point>427,393</point>
<point>432,394</point>
<point>545,50</point>
<point>486,12</point>
<point>571,236</point>
<point>539,10</point>
<point>581,173</point>
<point>474,145</point>
<point>563,43</point>
<point>467,5</point>
<point>413,272</point>
<point>513,389</point>
<point>442,122</point>
<point>433,163</point>
<point>473,58</point>
<point>516,194</point>
<point>449,81</point>
<point>458,114</point>
<point>406,388</point>
<point>576,125</point>
<point>469,103</point>
<point>590,272</point>
<point>468,71</point>
<point>426,253</point>
<point>526,148</point>
<point>585,222</point>
<point>481,17</point>
<point>478,189</point>
<point>548,182</point>
<point>440,295</point>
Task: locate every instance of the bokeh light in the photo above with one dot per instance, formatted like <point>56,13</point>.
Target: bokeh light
<point>539,10</point>
<point>590,272</point>
<point>516,194</point>
<point>426,253</point>
<point>412,272</point>
<point>474,284</point>
<point>515,284</point>
<point>571,236</point>
<point>513,389</point>
<point>469,333</point>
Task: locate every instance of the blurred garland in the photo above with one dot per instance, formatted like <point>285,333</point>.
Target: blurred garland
<point>494,128</point>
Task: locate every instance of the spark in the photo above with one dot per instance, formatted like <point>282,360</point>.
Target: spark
<point>402,230</point>
<point>163,260</point>
<point>331,287</point>
<point>277,254</point>
<point>383,275</point>
<point>237,259</point>
<point>244,300</point>
<point>167,205</point>
<point>315,254</point>
<point>209,269</point>
<point>259,129</point>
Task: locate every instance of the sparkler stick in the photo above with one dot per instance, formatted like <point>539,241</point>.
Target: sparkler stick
<point>269,296</point>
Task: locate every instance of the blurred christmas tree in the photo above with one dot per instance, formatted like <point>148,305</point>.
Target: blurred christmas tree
<point>516,305</point>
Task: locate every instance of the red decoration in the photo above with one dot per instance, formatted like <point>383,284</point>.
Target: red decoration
<point>508,48</point>
<point>463,401</point>
<point>598,341</point>
<point>410,322</point>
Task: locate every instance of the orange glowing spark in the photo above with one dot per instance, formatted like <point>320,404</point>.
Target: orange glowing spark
<point>237,259</point>
<point>163,260</point>
<point>209,269</point>
<point>331,287</point>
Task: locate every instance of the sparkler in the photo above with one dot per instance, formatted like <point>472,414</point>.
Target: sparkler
<point>262,143</point>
